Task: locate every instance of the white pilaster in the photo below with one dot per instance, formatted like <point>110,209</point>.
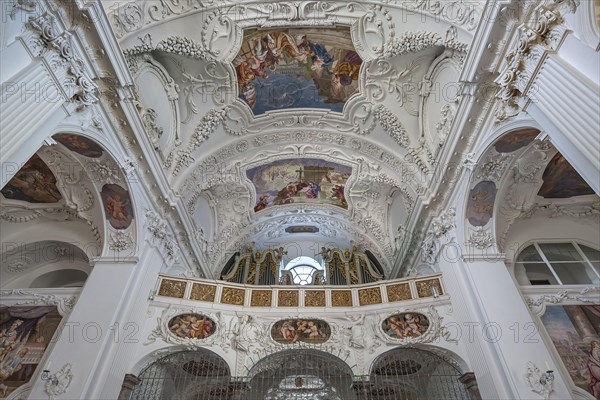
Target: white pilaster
<point>566,104</point>
<point>30,107</point>
<point>92,326</point>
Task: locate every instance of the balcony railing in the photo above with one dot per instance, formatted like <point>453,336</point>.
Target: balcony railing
<point>391,291</point>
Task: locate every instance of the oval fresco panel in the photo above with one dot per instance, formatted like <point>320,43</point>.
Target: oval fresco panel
<point>192,326</point>
<point>117,206</point>
<point>300,330</point>
<point>480,206</point>
<point>408,325</point>
<point>79,144</point>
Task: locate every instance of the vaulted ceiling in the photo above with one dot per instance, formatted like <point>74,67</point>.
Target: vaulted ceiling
<point>205,76</point>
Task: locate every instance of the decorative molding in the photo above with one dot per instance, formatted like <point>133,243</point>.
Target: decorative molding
<point>444,125</point>
<point>160,232</point>
<point>391,124</point>
<point>183,46</point>
<point>543,33</point>
<point>464,13</point>
<point>207,126</point>
<point>154,132</point>
<point>121,241</point>
<point>23,297</point>
<point>19,265</point>
<point>438,230</point>
<point>541,383</point>
<point>60,382</point>
<point>61,42</point>
<point>481,239</point>
<point>537,304</point>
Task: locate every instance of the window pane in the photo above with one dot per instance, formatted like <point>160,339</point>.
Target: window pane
<point>539,272</point>
<point>303,274</point>
<point>560,252</point>
<point>529,254</point>
<point>596,265</point>
<point>591,254</point>
<point>574,273</point>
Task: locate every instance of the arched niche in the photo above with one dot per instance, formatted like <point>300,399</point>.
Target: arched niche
<point>490,171</point>
<point>199,374</point>
<point>418,373</point>
<point>44,264</point>
<point>301,372</point>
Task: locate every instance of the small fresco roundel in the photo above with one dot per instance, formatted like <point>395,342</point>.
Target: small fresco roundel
<point>407,325</point>
<point>192,326</point>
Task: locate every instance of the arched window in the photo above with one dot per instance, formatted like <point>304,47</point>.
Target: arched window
<point>568,263</point>
<point>303,270</point>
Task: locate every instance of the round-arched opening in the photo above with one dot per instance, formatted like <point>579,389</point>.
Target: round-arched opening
<point>301,374</point>
<point>415,374</point>
<point>185,375</point>
<point>44,264</point>
<point>558,263</point>
<point>61,278</point>
<point>303,270</point>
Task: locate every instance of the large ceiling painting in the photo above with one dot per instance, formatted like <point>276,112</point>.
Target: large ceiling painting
<point>297,68</point>
<point>34,183</point>
<point>562,181</point>
<point>299,181</point>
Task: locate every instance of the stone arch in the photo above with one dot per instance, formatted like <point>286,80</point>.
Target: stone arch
<point>111,173</point>
<point>418,372</point>
<point>44,264</point>
<point>489,169</point>
<point>307,371</point>
<point>183,374</point>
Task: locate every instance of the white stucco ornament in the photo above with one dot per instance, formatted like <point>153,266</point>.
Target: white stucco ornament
<point>60,382</point>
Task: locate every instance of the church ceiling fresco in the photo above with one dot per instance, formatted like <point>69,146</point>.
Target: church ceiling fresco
<point>117,206</point>
<point>280,69</point>
<point>480,206</point>
<point>293,181</point>
<point>562,181</point>
<point>80,145</point>
<point>515,141</point>
<point>34,183</point>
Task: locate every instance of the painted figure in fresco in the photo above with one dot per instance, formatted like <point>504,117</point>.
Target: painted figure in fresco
<point>262,203</point>
<point>480,200</point>
<point>338,192</point>
<point>412,325</point>
<point>181,327</point>
<point>313,190</point>
<point>287,330</point>
<point>12,362</point>
<point>396,327</point>
<point>34,183</point>
<point>594,368</point>
<point>116,207</point>
<point>80,145</point>
<point>344,73</point>
<point>8,338</point>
